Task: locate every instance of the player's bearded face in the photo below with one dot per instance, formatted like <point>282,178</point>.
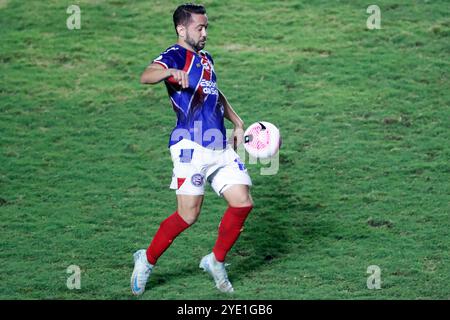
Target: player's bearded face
<point>196,32</point>
<point>197,45</point>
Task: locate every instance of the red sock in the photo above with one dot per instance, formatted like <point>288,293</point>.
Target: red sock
<point>168,230</point>
<point>229,229</point>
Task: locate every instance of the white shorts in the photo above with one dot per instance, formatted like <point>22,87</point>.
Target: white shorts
<point>194,164</point>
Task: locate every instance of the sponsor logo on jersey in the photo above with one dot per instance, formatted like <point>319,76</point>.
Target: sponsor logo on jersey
<point>208,87</point>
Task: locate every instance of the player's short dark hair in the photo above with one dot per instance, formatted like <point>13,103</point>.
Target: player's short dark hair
<point>182,14</point>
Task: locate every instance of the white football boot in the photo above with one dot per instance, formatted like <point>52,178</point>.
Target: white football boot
<point>217,270</point>
<point>141,272</point>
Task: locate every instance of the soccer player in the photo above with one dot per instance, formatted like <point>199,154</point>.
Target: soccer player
<point>199,148</point>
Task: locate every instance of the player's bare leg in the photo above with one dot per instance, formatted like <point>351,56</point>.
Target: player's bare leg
<point>239,206</point>
<point>238,196</point>
<point>189,207</point>
<point>187,213</point>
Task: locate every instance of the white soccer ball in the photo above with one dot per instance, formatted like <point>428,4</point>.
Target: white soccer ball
<point>262,140</point>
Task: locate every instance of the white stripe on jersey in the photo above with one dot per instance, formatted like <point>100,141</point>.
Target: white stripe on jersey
<point>176,105</point>
<point>192,62</point>
<point>161,63</point>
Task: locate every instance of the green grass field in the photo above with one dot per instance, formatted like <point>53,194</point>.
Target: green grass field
<point>364,168</point>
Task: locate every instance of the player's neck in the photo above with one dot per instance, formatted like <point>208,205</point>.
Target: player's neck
<point>183,44</point>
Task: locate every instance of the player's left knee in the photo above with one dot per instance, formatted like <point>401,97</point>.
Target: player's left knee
<point>243,202</point>
<point>248,201</point>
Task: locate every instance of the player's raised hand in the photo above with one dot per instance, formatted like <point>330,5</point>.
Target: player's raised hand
<point>180,77</point>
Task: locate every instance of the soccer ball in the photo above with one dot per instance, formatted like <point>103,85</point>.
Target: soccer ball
<point>262,140</point>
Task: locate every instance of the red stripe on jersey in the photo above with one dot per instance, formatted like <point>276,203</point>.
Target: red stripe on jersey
<point>206,67</point>
<point>206,75</point>
<point>189,57</point>
<point>174,82</point>
<point>199,96</point>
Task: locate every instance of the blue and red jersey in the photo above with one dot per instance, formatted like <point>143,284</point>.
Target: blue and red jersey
<point>199,112</point>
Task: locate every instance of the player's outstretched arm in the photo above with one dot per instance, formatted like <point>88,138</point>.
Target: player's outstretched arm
<point>231,115</point>
<point>229,112</point>
<point>156,73</point>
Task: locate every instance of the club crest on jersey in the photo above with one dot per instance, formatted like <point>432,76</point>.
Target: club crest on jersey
<point>197,180</point>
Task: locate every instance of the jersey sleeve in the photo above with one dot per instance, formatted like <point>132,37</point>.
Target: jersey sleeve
<point>167,60</point>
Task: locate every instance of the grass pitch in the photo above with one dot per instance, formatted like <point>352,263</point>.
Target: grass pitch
<point>364,168</point>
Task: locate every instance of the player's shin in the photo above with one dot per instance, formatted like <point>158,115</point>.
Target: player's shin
<point>166,234</point>
<point>229,230</point>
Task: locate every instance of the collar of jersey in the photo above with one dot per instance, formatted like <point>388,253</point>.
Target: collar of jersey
<point>200,54</point>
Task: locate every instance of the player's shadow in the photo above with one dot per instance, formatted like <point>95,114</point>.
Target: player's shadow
<point>280,223</point>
